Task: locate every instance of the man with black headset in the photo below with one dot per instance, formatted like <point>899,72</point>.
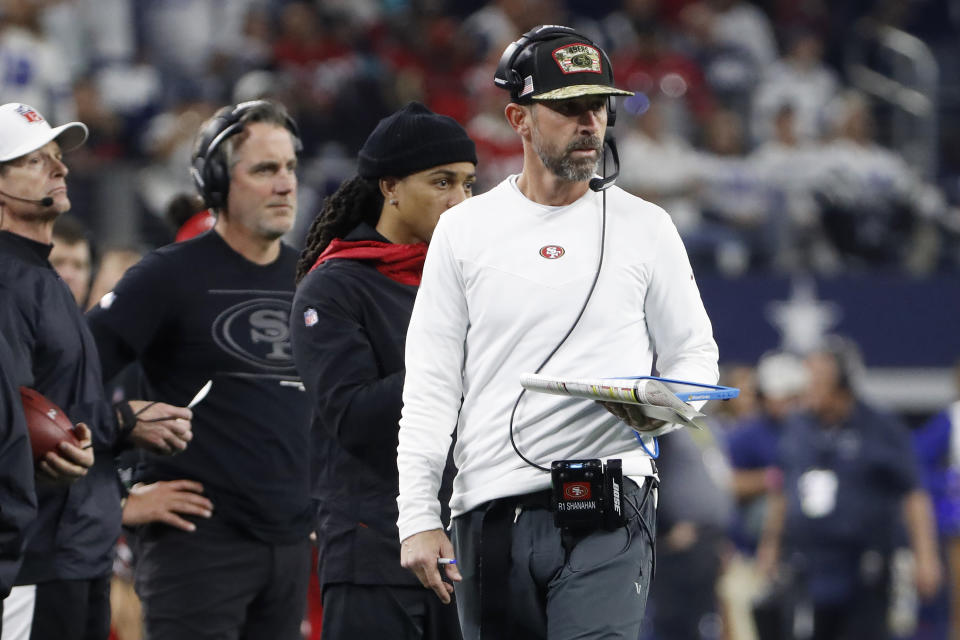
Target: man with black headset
<point>217,308</point>
<point>557,271</point>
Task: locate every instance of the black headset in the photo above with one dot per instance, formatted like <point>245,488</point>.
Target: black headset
<point>507,77</point>
<point>209,168</point>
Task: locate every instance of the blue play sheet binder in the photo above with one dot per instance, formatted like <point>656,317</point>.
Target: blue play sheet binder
<point>702,392</point>
<point>658,398</point>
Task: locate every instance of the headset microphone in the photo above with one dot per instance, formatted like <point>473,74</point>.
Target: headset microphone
<point>43,202</point>
<point>602,184</point>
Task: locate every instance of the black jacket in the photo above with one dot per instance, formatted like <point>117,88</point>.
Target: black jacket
<point>348,327</point>
<point>77,525</point>
<point>19,501</point>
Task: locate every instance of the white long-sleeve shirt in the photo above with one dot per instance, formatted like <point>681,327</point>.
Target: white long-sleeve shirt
<point>495,300</point>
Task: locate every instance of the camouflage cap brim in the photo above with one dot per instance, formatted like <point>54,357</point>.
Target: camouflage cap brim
<point>577,90</point>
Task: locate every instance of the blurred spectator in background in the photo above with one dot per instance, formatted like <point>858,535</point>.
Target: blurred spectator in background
<point>659,166</point>
<point>304,40</point>
<point>788,166</point>
<point>730,413</point>
<point>799,79</point>
<point>35,70</point>
<point>494,25</point>
<point>740,228</point>
<point>744,24</point>
<point>71,256</point>
<point>874,208</point>
<point>91,34</point>
<point>432,64</point>
<point>938,447</point>
<point>734,43</point>
<point>649,65</point>
<point>336,80</point>
<point>695,508</point>
<point>188,39</point>
<point>499,151</point>
<point>753,446</point>
<point>168,142</point>
<point>622,25</point>
<point>850,500</point>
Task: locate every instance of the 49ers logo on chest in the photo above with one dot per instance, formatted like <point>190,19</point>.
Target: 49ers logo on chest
<point>552,251</point>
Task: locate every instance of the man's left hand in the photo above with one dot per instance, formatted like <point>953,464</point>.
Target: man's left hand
<point>635,418</point>
<point>161,427</point>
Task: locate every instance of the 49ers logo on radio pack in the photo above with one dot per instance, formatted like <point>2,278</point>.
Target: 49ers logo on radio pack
<point>576,490</point>
<point>552,252</point>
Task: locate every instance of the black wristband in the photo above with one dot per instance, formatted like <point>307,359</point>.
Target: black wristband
<point>128,419</point>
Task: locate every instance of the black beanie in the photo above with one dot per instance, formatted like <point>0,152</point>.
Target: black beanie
<point>411,140</point>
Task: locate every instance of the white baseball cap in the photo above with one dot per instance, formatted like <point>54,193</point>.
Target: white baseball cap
<point>23,129</point>
<point>781,375</point>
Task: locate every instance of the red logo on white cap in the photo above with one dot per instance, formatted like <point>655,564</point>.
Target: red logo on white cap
<point>29,114</point>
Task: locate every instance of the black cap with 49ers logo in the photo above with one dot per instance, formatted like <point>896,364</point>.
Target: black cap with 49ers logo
<point>558,68</point>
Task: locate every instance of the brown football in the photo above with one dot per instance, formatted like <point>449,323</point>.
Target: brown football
<point>47,424</point>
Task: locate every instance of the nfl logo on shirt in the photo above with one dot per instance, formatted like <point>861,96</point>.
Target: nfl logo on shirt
<point>310,317</point>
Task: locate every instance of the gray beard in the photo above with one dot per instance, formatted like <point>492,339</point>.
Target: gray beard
<point>565,167</point>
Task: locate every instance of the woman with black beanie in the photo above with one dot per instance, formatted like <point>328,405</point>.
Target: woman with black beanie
<point>357,280</point>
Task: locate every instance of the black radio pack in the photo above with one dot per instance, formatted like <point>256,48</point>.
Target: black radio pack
<point>586,494</point>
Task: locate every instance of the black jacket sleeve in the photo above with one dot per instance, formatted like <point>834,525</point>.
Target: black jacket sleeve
<point>125,323</point>
<point>353,398</point>
<point>18,500</point>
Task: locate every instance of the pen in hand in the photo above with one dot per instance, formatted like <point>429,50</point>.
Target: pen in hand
<point>442,561</point>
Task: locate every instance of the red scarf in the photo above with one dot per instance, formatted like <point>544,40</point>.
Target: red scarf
<point>400,262</point>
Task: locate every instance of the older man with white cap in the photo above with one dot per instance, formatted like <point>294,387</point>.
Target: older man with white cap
<point>63,583</point>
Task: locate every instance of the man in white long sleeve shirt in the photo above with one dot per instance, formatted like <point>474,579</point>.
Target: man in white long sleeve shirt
<point>543,271</point>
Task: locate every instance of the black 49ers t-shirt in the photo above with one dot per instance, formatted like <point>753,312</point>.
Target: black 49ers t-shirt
<point>198,311</point>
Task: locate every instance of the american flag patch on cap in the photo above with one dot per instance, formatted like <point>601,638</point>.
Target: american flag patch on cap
<point>527,86</point>
<point>310,317</point>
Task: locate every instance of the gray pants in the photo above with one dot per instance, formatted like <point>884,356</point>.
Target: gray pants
<point>598,590</point>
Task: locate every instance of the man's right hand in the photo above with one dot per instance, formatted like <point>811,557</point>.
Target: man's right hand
<point>166,501</point>
<point>69,462</point>
<point>420,552</point>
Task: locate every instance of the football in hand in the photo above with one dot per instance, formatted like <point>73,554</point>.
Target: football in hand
<point>47,424</point>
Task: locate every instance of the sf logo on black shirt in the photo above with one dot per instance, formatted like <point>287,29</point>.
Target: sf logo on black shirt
<point>257,331</point>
